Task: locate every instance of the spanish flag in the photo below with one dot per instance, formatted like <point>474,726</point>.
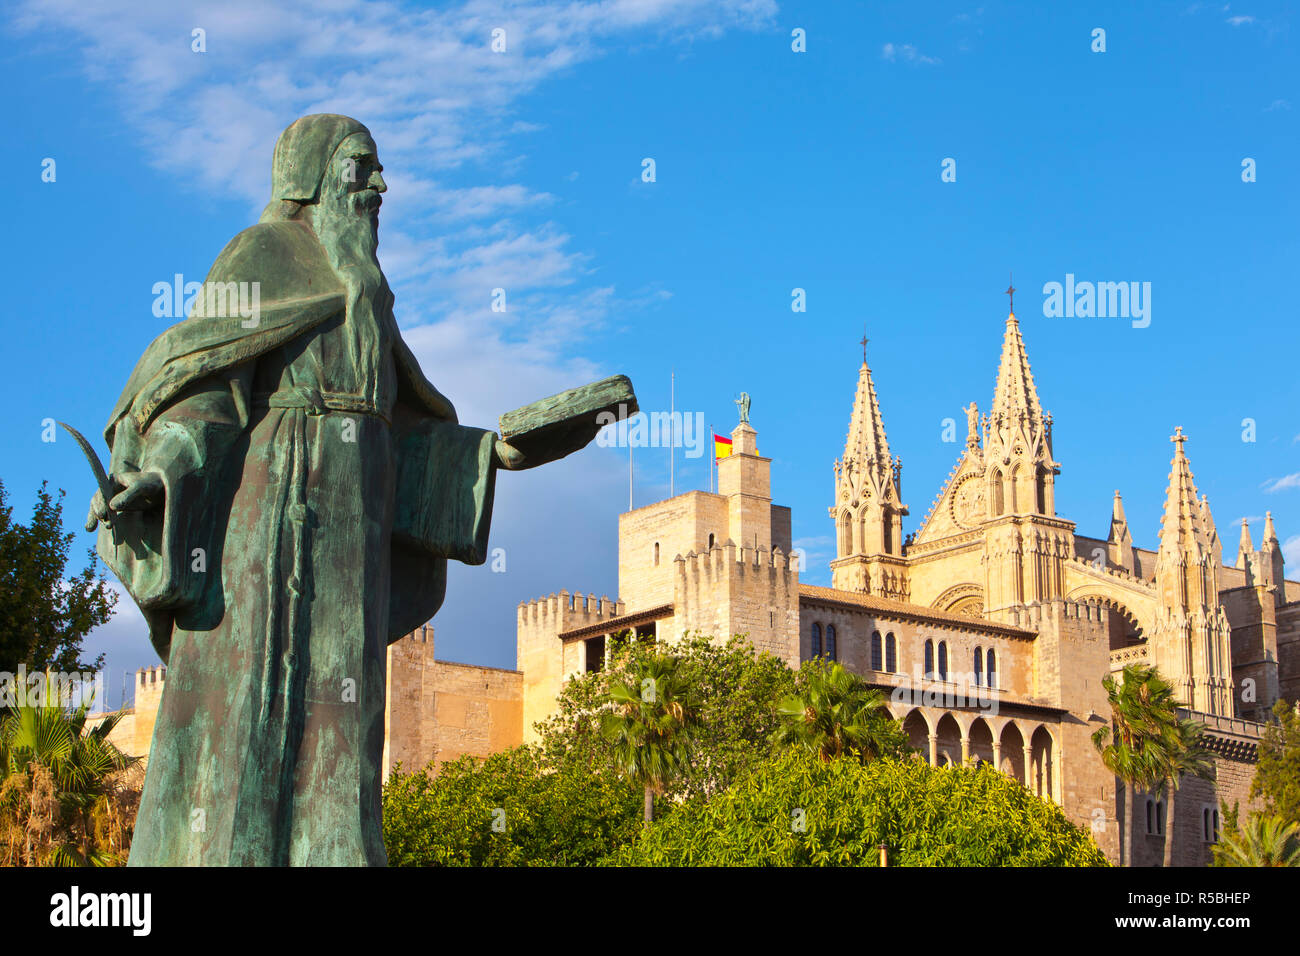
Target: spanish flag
<point>721,447</point>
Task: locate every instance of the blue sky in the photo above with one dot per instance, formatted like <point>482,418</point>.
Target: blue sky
<point>775,170</point>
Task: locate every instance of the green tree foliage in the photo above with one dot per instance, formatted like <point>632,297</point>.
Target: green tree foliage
<point>569,817</point>
<point>737,690</point>
<point>66,796</point>
<point>797,810</point>
<point>835,713</point>
<point>1277,775</point>
<point>652,714</point>
<point>1179,753</point>
<point>44,614</point>
<point>1140,744</point>
<point>1265,840</point>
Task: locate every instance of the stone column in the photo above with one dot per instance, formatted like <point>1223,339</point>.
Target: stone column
<point>934,750</point>
<point>965,747</point>
<point>1029,768</point>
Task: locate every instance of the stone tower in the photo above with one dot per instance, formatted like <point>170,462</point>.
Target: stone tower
<point>1190,643</point>
<point>868,510</point>
<point>1026,545</point>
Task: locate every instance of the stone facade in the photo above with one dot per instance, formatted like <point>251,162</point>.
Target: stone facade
<point>435,711</point>
<point>991,626</point>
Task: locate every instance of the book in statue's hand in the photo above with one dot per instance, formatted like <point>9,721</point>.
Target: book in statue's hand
<point>446,478</point>
<point>554,427</point>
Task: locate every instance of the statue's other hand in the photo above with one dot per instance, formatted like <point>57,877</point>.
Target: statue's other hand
<point>141,491</point>
<point>508,456</point>
<point>98,512</point>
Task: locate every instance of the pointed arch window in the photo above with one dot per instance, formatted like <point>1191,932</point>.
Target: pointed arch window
<point>992,668</point>
<point>816,650</point>
<point>997,492</point>
<point>830,642</point>
<point>943,660</point>
<point>928,670</point>
<point>979,667</point>
<point>877,651</point>
<point>891,653</point>
<point>656,554</point>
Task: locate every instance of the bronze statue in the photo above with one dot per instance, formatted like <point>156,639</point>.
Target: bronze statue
<point>742,404</point>
<point>285,492</point>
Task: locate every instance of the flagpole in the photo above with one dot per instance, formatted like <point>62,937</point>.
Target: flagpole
<point>713,456</point>
<point>672,435</point>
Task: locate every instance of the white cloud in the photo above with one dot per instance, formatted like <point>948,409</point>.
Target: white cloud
<point>908,53</point>
<point>1277,105</point>
<point>1281,484</point>
<point>1240,21</point>
<point>1291,551</point>
<point>444,109</point>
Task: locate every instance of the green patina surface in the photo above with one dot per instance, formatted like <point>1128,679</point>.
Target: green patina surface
<point>288,491</point>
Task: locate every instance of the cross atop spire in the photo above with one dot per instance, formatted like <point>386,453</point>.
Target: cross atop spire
<point>1178,437</point>
<point>864,345</point>
<point>1011,295</point>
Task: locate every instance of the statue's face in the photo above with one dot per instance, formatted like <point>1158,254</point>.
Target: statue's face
<point>355,175</point>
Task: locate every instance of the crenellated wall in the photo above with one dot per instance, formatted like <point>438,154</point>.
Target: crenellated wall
<point>133,734</point>
<point>540,654</point>
<point>737,590</point>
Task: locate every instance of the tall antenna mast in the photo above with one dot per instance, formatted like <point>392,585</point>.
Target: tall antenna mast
<point>672,436</point>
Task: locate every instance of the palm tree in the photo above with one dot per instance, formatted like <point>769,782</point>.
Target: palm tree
<point>1179,752</point>
<point>1264,841</point>
<point>1140,708</point>
<point>838,713</point>
<point>651,723</point>
<point>55,783</point>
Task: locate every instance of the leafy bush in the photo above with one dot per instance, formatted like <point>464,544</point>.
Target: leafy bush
<point>570,817</point>
<point>68,796</point>
<point>738,689</point>
<point>949,816</point>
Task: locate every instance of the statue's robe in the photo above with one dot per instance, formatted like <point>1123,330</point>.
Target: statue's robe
<point>311,503</point>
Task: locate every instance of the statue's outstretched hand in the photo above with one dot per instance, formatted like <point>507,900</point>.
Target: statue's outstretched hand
<point>141,491</point>
<point>508,456</point>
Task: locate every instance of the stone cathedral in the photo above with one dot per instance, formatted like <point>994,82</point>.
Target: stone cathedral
<point>990,626</point>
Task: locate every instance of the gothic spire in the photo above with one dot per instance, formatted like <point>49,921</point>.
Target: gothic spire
<point>1119,543</point>
<point>1245,550</point>
<point>866,445</point>
<point>1117,519</point>
<point>1189,641</point>
<point>1270,534</point>
<point>1181,527</point>
<point>1270,557</point>
<point>1210,531</point>
<point>1015,391</point>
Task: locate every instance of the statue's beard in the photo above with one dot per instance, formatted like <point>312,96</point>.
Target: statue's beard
<point>347,224</point>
